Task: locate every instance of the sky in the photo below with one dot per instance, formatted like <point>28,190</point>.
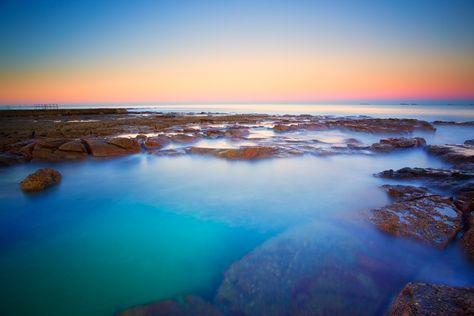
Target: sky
<point>74,52</point>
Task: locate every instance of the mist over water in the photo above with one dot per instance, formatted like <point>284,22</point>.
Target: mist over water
<point>127,231</point>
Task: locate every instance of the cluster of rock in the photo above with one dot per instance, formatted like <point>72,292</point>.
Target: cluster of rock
<point>58,135</point>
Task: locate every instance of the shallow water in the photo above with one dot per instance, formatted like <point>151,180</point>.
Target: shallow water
<point>117,233</point>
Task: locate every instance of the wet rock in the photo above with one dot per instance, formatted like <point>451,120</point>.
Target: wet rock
<point>152,143</point>
<point>431,299</point>
<point>467,240</point>
<point>469,142</point>
<point>130,145</point>
<point>446,179</point>
<point>183,138</point>
<point>454,154</point>
<point>40,180</point>
<point>237,132</point>
<point>431,219</point>
<point>190,305</point>
<point>383,126</point>
<point>405,192</point>
<point>315,269</point>
<point>101,148</point>
<point>73,146</point>
<point>464,198</point>
<point>241,153</point>
<point>391,144</point>
<point>469,123</point>
<point>285,128</point>
<point>10,159</point>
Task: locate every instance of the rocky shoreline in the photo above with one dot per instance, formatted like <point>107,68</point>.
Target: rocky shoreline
<point>293,273</point>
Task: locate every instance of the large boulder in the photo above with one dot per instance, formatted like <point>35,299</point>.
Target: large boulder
<point>431,219</point>
<point>391,144</point>
<point>419,299</point>
<point>40,180</point>
<point>190,305</point>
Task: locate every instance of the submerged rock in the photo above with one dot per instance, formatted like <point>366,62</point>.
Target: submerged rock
<point>40,180</point>
<point>237,132</point>
<point>315,269</point>
<point>391,144</point>
<point>190,305</point>
<point>431,299</point>
<point>431,219</point>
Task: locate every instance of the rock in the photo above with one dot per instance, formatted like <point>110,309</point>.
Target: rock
<point>40,180</point>
<point>384,126</point>
<point>431,219</point>
<point>405,192</point>
<point>242,153</point>
<point>391,144</point>
<point>464,198</point>
<point>447,179</point>
<point>190,305</point>
<point>10,159</point>
<point>152,143</point>
<point>183,138</point>
<point>467,240</point>
<point>454,154</point>
<point>285,128</point>
<point>130,145</point>
<point>433,300</point>
<point>100,148</point>
<point>315,269</point>
<point>237,132</point>
<point>73,146</point>
<point>469,142</point>
<point>468,123</point>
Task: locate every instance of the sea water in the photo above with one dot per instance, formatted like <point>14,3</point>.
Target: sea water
<point>120,232</point>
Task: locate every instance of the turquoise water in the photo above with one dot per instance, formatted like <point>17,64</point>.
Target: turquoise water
<point>121,232</point>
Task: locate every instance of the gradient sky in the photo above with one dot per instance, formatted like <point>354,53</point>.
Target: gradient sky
<point>235,51</point>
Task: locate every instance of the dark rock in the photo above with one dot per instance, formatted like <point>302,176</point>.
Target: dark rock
<point>10,159</point>
<point>183,138</point>
<point>469,123</point>
<point>446,179</point>
<point>469,142</point>
<point>391,144</point>
<point>405,192</point>
<point>190,305</point>
<point>431,219</point>
<point>467,240</point>
<point>433,300</point>
<point>454,154</point>
<point>464,198</point>
<point>285,128</point>
<point>40,180</point>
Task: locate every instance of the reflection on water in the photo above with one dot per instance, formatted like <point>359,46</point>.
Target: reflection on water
<point>121,232</point>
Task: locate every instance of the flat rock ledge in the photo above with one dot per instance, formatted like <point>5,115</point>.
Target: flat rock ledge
<point>455,154</point>
<point>40,180</point>
<point>433,300</point>
<point>241,153</point>
<point>419,215</point>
